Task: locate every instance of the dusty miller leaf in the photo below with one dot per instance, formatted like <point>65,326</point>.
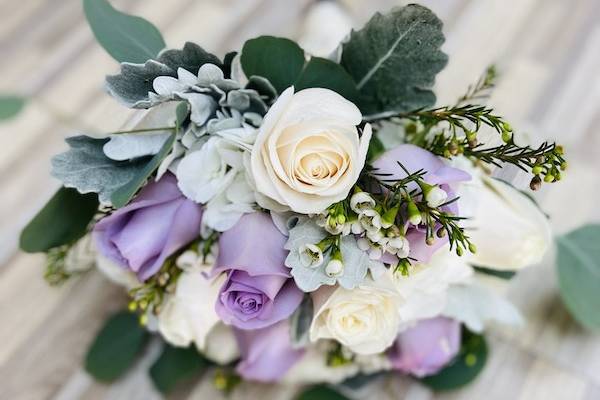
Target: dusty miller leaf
<point>128,146</point>
<point>394,59</point>
<point>86,168</point>
<point>356,262</point>
<point>132,85</point>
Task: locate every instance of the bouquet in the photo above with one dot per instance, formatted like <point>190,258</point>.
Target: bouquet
<point>283,217</point>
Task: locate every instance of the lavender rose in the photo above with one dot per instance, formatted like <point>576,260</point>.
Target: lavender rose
<point>258,291</point>
<point>427,347</point>
<point>267,354</point>
<point>414,158</point>
<point>157,223</point>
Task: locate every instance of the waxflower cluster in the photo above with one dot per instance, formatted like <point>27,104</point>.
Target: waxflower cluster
<point>258,216</point>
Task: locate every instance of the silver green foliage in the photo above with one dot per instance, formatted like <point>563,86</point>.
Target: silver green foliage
<point>86,168</point>
<point>129,146</point>
<point>356,262</point>
<point>135,81</point>
<point>394,59</point>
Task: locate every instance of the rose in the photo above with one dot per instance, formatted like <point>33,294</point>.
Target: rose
<point>189,315</point>
<point>365,319</point>
<point>427,347</point>
<point>267,354</point>
<point>508,228</point>
<point>424,290</point>
<point>157,223</point>
<point>258,291</point>
<point>436,172</point>
<point>308,154</point>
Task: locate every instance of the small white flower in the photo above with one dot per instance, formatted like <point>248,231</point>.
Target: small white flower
<point>334,268</point>
<point>399,246</point>
<point>375,253</point>
<point>361,201</point>
<point>370,220</point>
<point>357,228</point>
<point>364,244</point>
<point>375,236</point>
<point>436,197</point>
<point>311,255</point>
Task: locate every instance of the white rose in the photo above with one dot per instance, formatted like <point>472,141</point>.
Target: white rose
<point>365,319</point>
<point>508,228</point>
<point>308,154</point>
<point>189,315</point>
<point>424,291</point>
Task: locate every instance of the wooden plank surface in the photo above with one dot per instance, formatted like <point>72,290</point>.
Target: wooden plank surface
<point>546,50</point>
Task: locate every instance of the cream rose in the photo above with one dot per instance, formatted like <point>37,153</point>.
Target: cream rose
<point>365,319</point>
<point>308,153</point>
<point>189,315</point>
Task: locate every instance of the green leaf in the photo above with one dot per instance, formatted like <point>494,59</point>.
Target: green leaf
<point>277,59</point>
<point>321,392</point>
<point>376,148</point>
<point>10,106</point>
<point>394,59</point>
<point>63,220</point>
<point>496,273</point>
<point>465,367</point>
<point>300,323</point>
<point>126,38</point>
<point>115,348</point>
<point>323,73</point>
<point>175,365</point>
<point>121,196</point>
<point>578,268</point>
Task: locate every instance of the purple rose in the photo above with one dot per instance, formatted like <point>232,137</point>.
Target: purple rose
<point>258,291</point>
<point>414,158</point>
<point>267,354</point>
<point>157,223</point>
<point>427,347</point>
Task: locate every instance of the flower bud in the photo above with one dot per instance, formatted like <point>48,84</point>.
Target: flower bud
<point>536,183</point>
<point>414,215</point>
<point>389,217</point>
<point>334,268</point>
<point>506,136</point>
<point>361,201</point>
<point>436,196</point>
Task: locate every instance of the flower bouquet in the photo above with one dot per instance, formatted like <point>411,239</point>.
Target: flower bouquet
<point>281,217</point>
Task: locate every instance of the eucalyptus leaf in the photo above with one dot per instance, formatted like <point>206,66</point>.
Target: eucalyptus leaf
<point>10,106</point>
<point>300,323</point>
<point>464,368</point>
<point>324,73</point>
<point>394,59</point>
<point>321,392</point>
<point>176,365</point>
<point>578,267</point>
<point>376,148</point>
<point>126,38</point>
<point>277,59</point>
<point>116,347</point>
<point>63,220</point>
